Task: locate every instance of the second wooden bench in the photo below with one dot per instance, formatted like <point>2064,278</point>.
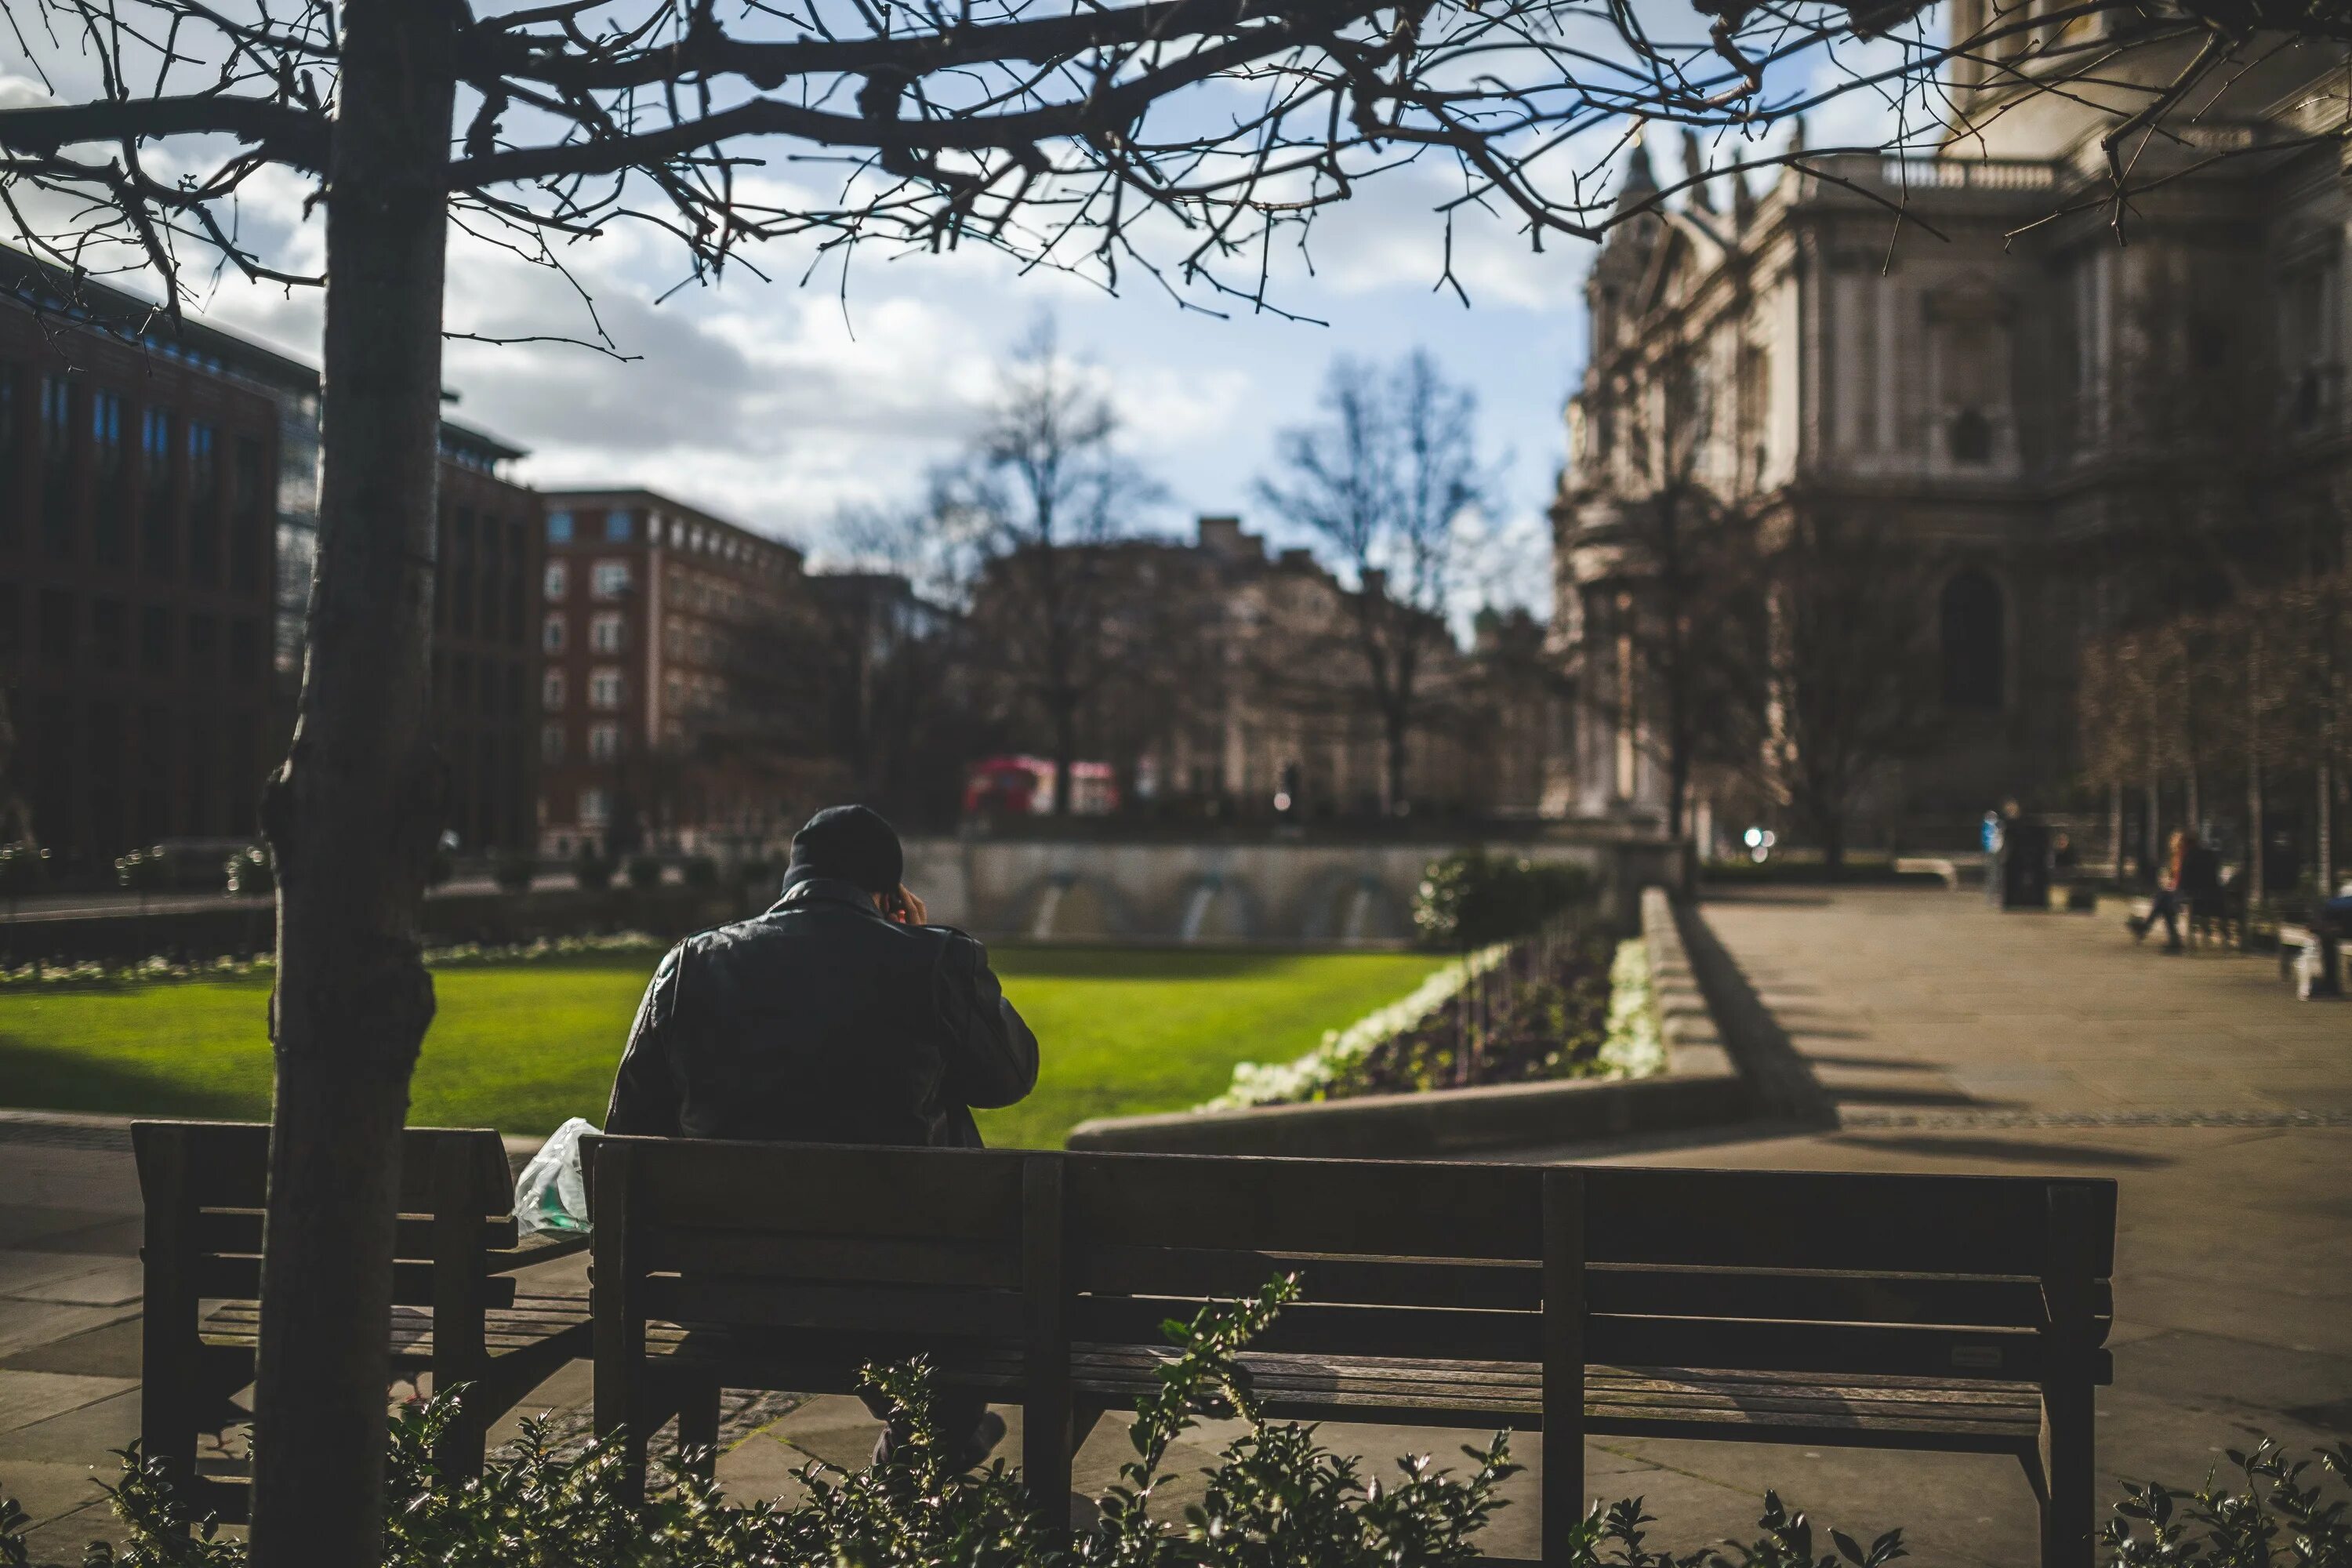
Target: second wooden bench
<point>1940,1314</point>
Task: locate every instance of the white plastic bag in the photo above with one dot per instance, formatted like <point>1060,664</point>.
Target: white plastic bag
<point>551,1194</point>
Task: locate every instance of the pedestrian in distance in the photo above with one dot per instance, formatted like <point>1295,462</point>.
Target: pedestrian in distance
<point>2182,854</point>
<point>840,1015</point>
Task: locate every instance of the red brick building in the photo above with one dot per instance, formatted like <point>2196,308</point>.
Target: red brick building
<point>138,513</point>
<point>677,707</point>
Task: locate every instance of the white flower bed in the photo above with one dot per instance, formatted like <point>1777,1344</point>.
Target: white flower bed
<point>1634,1046</point>
<point>1286,1082</point>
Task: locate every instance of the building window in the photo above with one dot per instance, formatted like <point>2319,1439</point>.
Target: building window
<point>1974,642</point>
<point>248,519</point>
<point>552,634</point>
<point>110,529</point>
<point>620,527</point>
<point>109,632</point>
<point>604,689</point>
<point>155,638</point>
<point>607,634</point>
<point>1971,436</point>
<point>550,742</point>
<point>595,810</point>
<point>204,503</point>
<point>8,454</point>
<point>158,551</point>
<point>57,466</point>
<point>603,742</point>
<point>203,647</point>
<point>551,690</point>
<point>559,528</point>
<point>559,582</point>
<point>612,579</point>
<point>245,659</point>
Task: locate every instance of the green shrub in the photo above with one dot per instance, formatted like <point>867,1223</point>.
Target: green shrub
<point>251,873</point>
<point>1471,899</point>
<point>2277,1522</point>
<point>644,871</point>
<point>514,873</point>
<point>1275,1498</point>
<point>700,871</point>
<point>591,872</point>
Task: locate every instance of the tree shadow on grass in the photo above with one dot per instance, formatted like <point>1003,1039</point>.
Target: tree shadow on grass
<point>49,1078</point>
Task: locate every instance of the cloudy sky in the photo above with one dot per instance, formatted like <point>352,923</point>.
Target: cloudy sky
<point>778,402</point>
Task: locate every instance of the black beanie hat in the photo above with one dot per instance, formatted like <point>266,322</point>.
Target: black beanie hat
<point>852,843</point>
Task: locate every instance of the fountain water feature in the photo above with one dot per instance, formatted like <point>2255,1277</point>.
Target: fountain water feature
<point>1197,905</point>
<point>1041,928</point>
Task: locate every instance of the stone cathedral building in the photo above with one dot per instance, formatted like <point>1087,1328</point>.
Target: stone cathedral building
<point>2064,431</point>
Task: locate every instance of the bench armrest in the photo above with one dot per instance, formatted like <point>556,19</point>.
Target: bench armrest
<point>540,1246</point>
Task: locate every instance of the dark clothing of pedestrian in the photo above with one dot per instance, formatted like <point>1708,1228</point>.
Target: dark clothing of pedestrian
<point>823,1022</point>
<point>2191,871</point>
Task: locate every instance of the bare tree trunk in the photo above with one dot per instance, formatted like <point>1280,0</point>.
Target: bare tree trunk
<point>1397,739</point>
<point>2152,830</point>
<point>353,812</point>
<point>1677,786</point>
<point>2115,831</point>
<point>2255,891</point>
<point>2326,828</point>
<point>1065,753</point>
<point>1833,831</point>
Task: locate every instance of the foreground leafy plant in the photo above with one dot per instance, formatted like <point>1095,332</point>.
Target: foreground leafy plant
<point>1275,1498</point>
<point>2277,1522</point>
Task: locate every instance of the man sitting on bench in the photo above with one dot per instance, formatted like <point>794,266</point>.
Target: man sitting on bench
<point>839,1016</point>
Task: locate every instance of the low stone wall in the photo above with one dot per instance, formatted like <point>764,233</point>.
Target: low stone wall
<point>1701,1088</point>
<point>1310,892</point>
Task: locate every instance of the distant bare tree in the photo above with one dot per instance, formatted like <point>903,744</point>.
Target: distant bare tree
<point>1384,481</point>
<point>1043,491</point>
<point>1844,667</point>
<point>1692,573</point>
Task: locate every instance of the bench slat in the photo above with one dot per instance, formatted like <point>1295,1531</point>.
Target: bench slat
<point>1867,1222</point>
<point>238,1324</point>
<point>1817,1297</point>
<point>1825,1348</point>
<point>1364,1206</point>
<point>239,1277</point>
<point>828,1189</point>
<point>227,1163</point>
<point>239,1231</point>
<point>747,1303</point>
<point>1875,1223</point>
<point>718,1251</point>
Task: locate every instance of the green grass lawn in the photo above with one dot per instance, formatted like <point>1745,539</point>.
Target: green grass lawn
<point>522,1047</point>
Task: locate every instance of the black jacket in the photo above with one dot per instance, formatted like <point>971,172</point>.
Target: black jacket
<point>821,1021</point>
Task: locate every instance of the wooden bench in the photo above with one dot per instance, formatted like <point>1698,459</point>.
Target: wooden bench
<point>456,1311</point>
<point>1939,1313</point>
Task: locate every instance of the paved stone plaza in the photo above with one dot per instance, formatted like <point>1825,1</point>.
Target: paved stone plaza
<point>1948,1037</point>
